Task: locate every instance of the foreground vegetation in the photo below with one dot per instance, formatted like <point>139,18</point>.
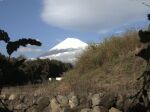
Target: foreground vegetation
<point>19,71</point>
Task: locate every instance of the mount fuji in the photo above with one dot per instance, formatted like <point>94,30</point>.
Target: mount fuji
<point>66,51</point>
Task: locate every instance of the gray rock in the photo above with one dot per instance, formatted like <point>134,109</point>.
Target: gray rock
<point>120,102</point>
<point>100,109</point>
<point>71,94</point>
<point>73,102</point>
<point>90,96</point>
<point>66,110</point>
<point>96,100</point>
<point>10,107</point>
<point>12,97</point>
<point>108,101</point>
<point>55,106</point>
<point>103,109</point>
<point>114,110</point>
<point>42,103</point>
<point>47,109</point>
<point>22,98</point>
<point>86,110</point>
<point>148,94</point>
<point>127,104</point>
<point>89,100</point>
<point>31,109</point>
<point>1,105</point>
<point>96,109</point>
<point>4,96</point>
<point>43,100</point>
<point>21,106</point>
<point>63,100</point>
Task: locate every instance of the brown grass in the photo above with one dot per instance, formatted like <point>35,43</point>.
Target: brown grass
<point>110,65</point>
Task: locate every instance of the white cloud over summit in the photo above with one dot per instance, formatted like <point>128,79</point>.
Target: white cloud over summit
<point>93,15</point>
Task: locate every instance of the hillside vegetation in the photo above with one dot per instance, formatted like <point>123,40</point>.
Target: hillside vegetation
<point>108,66</point>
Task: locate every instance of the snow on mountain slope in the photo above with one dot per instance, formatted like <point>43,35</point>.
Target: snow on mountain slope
<point>70,43</point>
<point>66,51</point>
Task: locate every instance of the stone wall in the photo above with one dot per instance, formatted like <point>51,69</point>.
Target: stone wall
<point>99,102</point>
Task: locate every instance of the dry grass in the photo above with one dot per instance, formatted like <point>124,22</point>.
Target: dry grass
<point>108,51</point>
<point>110,65</point>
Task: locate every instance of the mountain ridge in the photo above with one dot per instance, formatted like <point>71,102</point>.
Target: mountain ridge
<point>66,51</point>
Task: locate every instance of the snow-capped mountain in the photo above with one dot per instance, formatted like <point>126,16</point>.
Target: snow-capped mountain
<point>66,51</point>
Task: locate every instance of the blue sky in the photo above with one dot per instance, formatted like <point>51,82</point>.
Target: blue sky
<point>51,21</point>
